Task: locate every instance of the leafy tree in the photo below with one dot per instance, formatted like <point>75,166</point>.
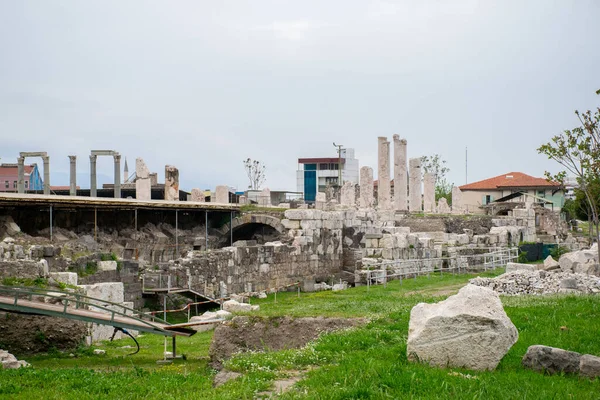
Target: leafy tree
<point>578,151</point>
<point>256,173</point>
<point>437,166</point>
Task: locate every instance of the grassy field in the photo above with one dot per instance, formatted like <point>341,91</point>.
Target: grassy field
<point>368,362</point>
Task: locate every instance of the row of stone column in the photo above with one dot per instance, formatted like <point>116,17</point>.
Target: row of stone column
<point>407,183</point>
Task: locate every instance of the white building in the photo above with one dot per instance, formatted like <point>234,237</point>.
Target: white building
<point>314,174</point>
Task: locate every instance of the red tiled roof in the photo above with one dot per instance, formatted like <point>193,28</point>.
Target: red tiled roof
<point>13,169</point>
<point>510,180</point>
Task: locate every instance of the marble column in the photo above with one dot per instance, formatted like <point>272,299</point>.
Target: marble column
<point>366,187</point>
<point>46,160</point>
<point>383,174</point>
<point>117,187</point>
<point>348,194</point>
<point>222,194</point>
<point>429,192</point>
<point>416,202</point>
<point>197,196</point>
<point>21,175</point>
<point>400,175</point>
<point>457,206</point>
<point>73,176</point>
<point>93,189</point>
<point>171,183</point>
<point>143,184</point>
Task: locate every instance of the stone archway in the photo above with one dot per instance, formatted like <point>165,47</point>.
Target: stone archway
<point>249,224</point>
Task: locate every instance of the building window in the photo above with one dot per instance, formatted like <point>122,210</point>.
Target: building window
<point>541,193</point>
<point>331,180</point>
<point>6,186</point>
<point>323,167</point>
<point>334,166</point>
<point>26,184</point>
<point>14,184</point>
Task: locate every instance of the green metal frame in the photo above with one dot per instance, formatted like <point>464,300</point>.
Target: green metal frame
<point>82,302</point>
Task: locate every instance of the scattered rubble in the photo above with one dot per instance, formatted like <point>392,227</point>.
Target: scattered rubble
<point>10,362</point>
<point>523,282</point>
<point>469,329</point>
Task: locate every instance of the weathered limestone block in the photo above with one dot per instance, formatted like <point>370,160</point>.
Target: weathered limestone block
<point>222,194</point>
<point>383,174</point>
<point>265,197</point>
<point>366,187</point>
<point>429,192</point>
<point>457,206</point>
<point>233,306</point>
<point>414,181</point>
<point>348,195</point>
<point>586,269</point>
<point>70,278</point>
<point>107,265</point>
<point>550,264</point>
<point>511,266</point>
<point>469,329</point>
<point>567,261</point>
<point>143,184</point>
<point>551,360</point>
<point>400,175</point>
<point>197,195</point>
<point>171,183</point>
<point>209,316</point>
<point>443,207</point>
<point>107,291</point>
<point>589,366</point>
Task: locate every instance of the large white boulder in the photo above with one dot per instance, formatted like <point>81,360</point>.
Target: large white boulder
<point>469,329</point>
<point>550,264</point>
<point>569,261</point>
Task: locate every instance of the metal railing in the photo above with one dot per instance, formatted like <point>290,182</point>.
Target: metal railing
<point>78,301</point>
<point>400,269</point>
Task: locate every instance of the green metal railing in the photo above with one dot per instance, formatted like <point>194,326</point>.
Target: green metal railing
<point>80,301</point>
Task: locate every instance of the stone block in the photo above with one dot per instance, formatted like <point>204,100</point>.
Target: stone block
<point>511,266</point>
<point>221,195</point>
<point>467,330</point>
<point>589,366</point>
<point>551,360</point>
<point>107,265</point>
<point>70,278</point>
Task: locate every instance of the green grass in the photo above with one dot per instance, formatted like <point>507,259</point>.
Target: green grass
<point>367,362</point>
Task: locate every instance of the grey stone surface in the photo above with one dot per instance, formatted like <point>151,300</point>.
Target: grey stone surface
<point>197,195</point>
<point>143,184</point>
<point>469,329</point>
<point>551,360</point>
<point>400,175</point>
<point>348,195</point>
<point>589,366</point>
<point>225,376</point>
<point>429,192</point>
<point>550,264</point>
<point>221,194</point>
<point>414,185</point>
<point>366,187</point>
<point>383,174</point>
<point>511,266</point>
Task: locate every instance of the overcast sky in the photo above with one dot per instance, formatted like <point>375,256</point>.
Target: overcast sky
<point>202,85</point>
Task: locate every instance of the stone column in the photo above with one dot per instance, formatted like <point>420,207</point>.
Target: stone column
<point>198,195</point>
<point>93,191</point>
<point>73,176</point>
<point>400,175</point>
<point>457,206</point>
<point>265,197</point>
<point>143,187</point>
<point>171,183</point>
<point>46,161</point>
<point>348,195</point>
<point>117,187</point>
<point>429,192</point>
<point>416,202</point>
<point>366,187</point>
<point>21,175</point>
<point>383,174</point>
<point>222,194</point>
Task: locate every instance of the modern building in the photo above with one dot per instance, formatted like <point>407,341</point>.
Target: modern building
<point>505,187</point>
<point>315,174</point>
<point>9,175</point>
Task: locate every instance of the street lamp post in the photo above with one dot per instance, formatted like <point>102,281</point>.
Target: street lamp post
<point>339,150</point>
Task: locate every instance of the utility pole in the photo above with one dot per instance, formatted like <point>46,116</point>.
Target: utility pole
<point>339,150</point>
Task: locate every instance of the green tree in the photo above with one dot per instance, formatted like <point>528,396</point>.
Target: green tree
<point>578,151</point>
<point>437,166</point>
